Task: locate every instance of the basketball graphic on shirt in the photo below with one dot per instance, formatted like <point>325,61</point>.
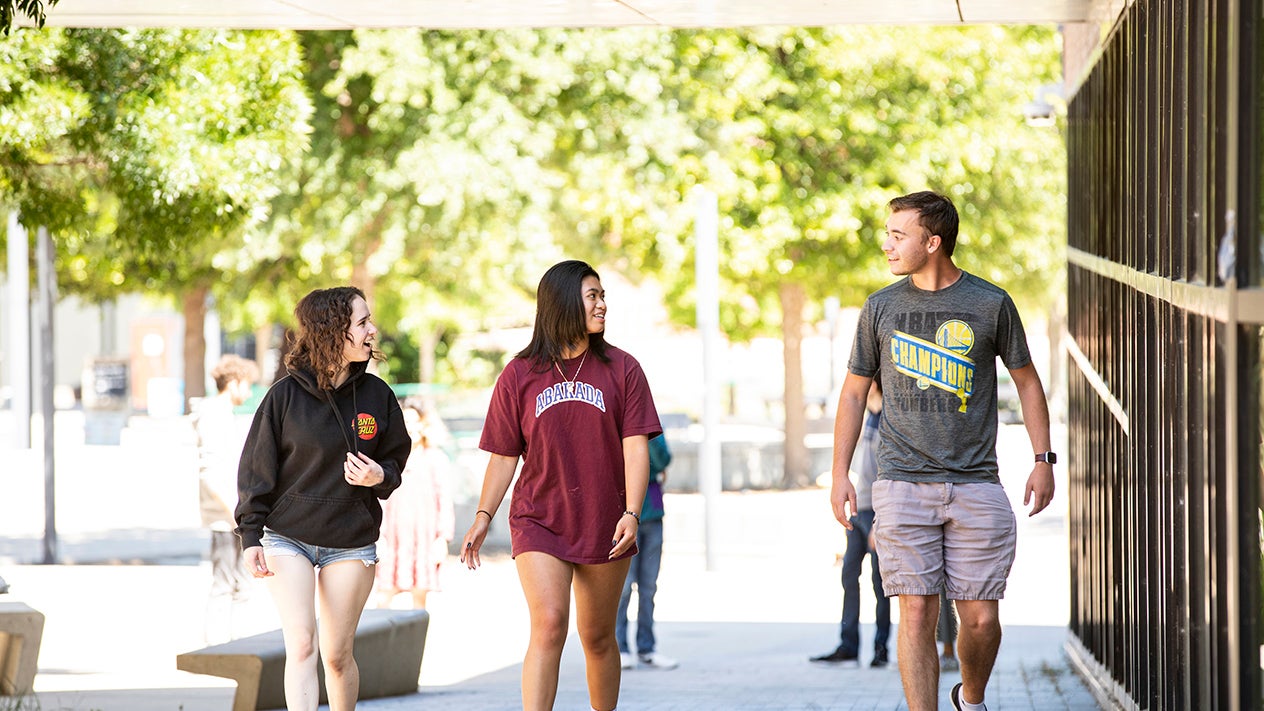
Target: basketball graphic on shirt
<point>365,426</point>
<point>956,336</point>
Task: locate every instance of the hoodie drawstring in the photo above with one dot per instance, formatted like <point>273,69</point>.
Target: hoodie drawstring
<point>352,446</point>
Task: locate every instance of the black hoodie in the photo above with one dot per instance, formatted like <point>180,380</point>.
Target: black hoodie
<point>291,478</point>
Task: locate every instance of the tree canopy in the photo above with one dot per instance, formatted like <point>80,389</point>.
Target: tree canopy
<point>146,151</point>
<point>814,130</point>
<point>445,169</point>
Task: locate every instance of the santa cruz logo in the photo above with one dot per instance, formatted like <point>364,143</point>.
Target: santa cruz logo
<point>365,426</point>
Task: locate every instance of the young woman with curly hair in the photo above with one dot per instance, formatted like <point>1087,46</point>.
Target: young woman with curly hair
<point>327,442</point>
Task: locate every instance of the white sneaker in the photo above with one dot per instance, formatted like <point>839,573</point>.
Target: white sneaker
<point>654,660</point>
<point>627,660</point>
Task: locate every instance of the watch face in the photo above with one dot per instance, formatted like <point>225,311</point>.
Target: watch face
<point>1049,457</point>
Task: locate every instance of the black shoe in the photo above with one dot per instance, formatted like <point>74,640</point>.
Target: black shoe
<point>837,656</point>
<point>879,658</point>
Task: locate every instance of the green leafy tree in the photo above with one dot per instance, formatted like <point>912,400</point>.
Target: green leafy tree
<point>445,167</point>
<point>804,134</point>
<point>164,155</point>
<point>450,166</point>
<point>808,132</point>
<point>360,206</point>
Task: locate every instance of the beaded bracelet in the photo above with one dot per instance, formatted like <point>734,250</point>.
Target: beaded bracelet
<point>634,515</point>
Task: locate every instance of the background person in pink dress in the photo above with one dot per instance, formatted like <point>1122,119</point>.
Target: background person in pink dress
<point>417,521</point>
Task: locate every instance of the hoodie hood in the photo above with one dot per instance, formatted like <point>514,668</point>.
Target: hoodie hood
<point>308,379</point>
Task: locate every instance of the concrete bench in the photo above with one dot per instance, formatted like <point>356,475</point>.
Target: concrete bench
<point>388,649</point>
<point>21,630</point>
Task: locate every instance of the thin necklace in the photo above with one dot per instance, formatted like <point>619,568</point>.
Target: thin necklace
<point>570,384</point>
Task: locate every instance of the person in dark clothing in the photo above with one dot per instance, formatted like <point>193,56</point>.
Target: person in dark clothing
<point>946,632</point>
<point>327,442</point>
<point>865,468</point>
<point>643,572</point>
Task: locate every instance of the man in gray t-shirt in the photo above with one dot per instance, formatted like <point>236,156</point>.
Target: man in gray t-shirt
<point>941,349</point>
<point>942,520</point>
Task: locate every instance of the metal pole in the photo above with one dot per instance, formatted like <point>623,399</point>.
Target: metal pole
<point>832,305</point>
<point>707,276</point>
<point>47,298</point>
<point>109,324</point>
<point>1237,654</point>
<point>20,332</point>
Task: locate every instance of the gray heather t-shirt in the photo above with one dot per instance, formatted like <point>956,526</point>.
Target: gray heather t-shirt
<point>935,353</point>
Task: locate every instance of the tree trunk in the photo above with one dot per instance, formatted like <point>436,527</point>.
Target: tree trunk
<point>427,343</point>
<point>194,307</point>
<point>263,344</point>
<point>283,349</point>
<point>361,277</point>
<point>368,243</point>
<point>798,462</point>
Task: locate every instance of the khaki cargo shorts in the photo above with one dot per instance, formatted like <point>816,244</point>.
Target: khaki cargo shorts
<point>944,537</point>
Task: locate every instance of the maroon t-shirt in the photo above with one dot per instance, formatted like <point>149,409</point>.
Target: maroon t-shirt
<point>571,491</point>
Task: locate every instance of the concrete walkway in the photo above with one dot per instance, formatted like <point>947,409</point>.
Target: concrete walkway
<point>743,630</point>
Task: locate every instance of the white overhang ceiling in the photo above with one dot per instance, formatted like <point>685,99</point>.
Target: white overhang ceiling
<point>490,14</point>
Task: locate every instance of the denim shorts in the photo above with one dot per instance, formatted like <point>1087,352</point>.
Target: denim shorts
<point>275,544</point>
<point>944,537</point>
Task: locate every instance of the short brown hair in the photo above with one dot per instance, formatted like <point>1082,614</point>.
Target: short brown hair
<point>935,213</point>
<point>234,367</point>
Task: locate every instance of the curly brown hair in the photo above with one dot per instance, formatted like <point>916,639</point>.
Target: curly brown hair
<point>324,318</point>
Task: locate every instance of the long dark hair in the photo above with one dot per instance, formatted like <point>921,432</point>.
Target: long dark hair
<point>560,319</point>
<point>324,317</point>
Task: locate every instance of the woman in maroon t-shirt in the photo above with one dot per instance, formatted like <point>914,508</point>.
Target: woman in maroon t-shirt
<point>578,411</point>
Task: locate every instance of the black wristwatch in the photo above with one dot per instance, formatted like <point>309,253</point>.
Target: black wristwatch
<point>1049,457</point>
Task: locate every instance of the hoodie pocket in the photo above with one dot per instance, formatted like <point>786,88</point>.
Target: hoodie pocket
<point>312,518</point>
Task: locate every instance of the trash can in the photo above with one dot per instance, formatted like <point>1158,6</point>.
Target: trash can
<point>105,402</point>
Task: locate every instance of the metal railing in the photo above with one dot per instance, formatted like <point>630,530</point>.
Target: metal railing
<point>1164,390</point>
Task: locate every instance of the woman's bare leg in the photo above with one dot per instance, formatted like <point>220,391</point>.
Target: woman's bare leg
<point>344,588</point>
<point>597,591</point>
<point>293,588</point>
<point>546,583</point>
